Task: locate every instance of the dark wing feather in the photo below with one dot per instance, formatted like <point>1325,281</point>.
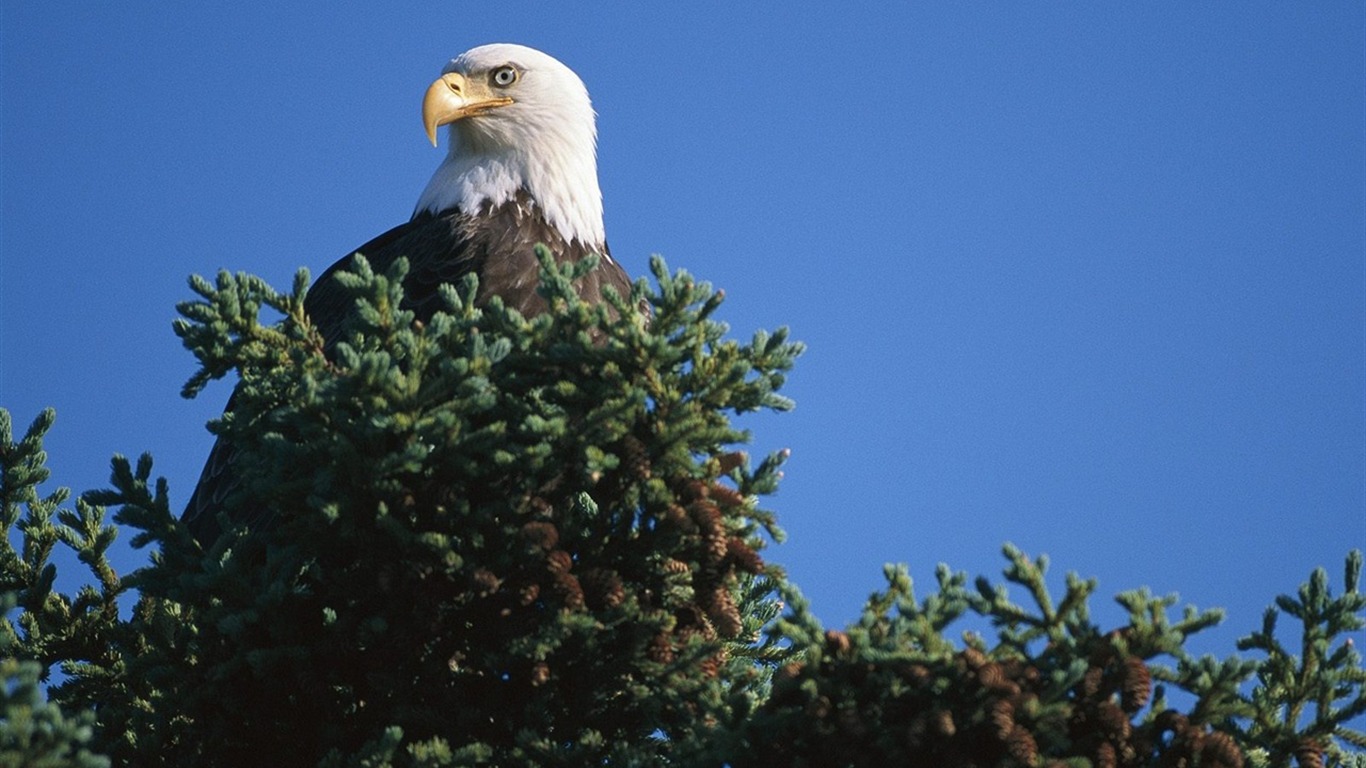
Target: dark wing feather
<point>498,245</point>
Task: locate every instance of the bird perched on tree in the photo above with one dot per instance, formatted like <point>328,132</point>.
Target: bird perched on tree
<point>521,170</point>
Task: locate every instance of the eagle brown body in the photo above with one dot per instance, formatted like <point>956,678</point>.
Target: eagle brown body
<point>498,245</point>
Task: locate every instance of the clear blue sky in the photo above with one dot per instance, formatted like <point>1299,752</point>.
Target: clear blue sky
<point>1087,277</point>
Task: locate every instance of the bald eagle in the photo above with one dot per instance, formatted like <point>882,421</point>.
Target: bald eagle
<point>521,170</point>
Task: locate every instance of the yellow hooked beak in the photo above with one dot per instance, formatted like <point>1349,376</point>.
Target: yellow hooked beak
<point>454,97</point>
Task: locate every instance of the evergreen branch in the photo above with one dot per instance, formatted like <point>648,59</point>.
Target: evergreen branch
<point>1302,702</point>
<point>36,732</point>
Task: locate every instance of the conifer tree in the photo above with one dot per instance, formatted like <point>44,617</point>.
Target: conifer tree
<point>480,539</point>
<point>1054,689</point>
<point>486,539</point>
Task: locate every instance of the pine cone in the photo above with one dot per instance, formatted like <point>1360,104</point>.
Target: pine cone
<point>818,708</point>
<point>559,561</point>
<point>541,535</point>
<point>528,594</point>
<point>919,675</point>
<point>716,546</point>
<point>635,457</point>
<point>711,666</point>
<point>1171,720</point>
<point>743,556</point>
<point>697,489</point>
<point>705,513</point>
<point>675,566</point>
<point>1021,746</point>
<point>603,588</point>
<point>724,613</point>
<point>661,649</point>
<point>837,642</point>
<point>942,723</point>
<point>727,496</point>
<point>1105,756</point>
<point>973,658</point>
<point>1091,681</point>
<point>992,676</point>
<point>1113,721</point>
<point>709,522</point>
<point>678,517</point>
<point>1136,684</point>
<point>729,461</point>
<point>485,582</point>
<point>569,589</point>
<point>1308,753</point>
<point>1221,751</point>
<point>1002,718</point>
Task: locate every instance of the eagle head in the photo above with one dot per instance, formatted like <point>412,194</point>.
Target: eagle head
<point>519,120</point>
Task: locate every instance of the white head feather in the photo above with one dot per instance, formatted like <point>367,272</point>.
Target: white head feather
<point>545,143</point>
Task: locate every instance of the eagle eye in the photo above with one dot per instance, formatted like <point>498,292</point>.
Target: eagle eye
<point>504,76</point>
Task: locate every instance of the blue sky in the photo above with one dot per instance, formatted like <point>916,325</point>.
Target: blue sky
<point>1085,277</point>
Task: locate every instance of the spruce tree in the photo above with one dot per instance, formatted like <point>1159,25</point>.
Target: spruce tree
<point>1054,689</point>
<point>482,539</point>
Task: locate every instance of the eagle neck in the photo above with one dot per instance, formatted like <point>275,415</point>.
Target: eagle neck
<point>563,189</point>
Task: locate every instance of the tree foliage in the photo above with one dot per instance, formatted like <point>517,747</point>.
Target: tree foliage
<point>481,539</point>
<point>1054,689</point>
